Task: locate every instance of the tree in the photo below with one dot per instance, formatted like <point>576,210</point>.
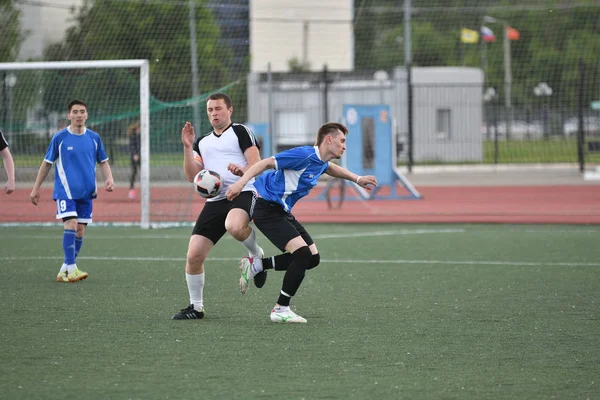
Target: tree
<point>12,37</point>
<point>157,31</point>
<point>553,40</point>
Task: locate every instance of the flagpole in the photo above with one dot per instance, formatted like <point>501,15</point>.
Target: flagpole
<point>484,62</point>
<point>507,73</point>
<point>507,82</point>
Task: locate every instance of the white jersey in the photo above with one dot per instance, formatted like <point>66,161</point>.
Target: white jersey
<point>215,152</point>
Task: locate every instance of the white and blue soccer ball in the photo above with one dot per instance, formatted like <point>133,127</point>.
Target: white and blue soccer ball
<point>208,184</point>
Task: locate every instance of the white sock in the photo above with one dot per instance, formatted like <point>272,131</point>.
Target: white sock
<point>250,244</point>
<point>281,308</point>
<point>63,268</point>
<point>195,285</point>
<point>71,267</point>
<point>257,266</point>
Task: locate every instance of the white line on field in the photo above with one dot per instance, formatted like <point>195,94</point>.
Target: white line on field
<point>55,236</point>
<point>334,261</point>
<point>387,233</point>
<point>558,231</point>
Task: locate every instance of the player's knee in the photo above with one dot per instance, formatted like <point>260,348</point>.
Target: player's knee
<point>237,229</point>
<point>80,230</point>
<point>303,257</point>
<point>194,259</point>
<point>315,259</point>
<point>70,223</point>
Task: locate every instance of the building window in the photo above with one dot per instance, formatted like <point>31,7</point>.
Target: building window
<point>292,129</point>
<point>443,124</point>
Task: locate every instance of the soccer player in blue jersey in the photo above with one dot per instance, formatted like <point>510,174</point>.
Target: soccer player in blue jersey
<point>74,151</point>
<point>295,172</point>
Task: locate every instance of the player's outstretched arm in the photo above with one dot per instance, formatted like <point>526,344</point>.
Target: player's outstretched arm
<point>252,155</point>
<point>234,190</point>
<point>109,183</point>
<point>366,181</point>
<point>42,174</point>
<point>9,166</point>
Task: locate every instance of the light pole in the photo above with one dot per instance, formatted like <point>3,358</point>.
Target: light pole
<point>542,90</point>
<point>409,86</point>
<point>507,72</point>
<point>10,81</point>
<point>490,96</point>
<point>194,61</point>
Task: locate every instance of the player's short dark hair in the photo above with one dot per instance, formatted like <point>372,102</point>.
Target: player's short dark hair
<point>76,103</point>
<point>330,128</point>
<point>221,96</point>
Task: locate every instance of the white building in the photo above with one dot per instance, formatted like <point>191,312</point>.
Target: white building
<point>45,23</point>
<point>314,32</point>
<point>447,107</point>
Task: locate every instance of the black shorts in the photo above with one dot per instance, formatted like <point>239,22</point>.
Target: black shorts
<point>277,225</point>
<point>211,221</point>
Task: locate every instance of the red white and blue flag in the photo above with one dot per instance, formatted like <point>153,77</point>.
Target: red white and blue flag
<point>487,35</point>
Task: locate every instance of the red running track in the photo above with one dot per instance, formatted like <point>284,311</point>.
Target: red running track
<point>564,204</point>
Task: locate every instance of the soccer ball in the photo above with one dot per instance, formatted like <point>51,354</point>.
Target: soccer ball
<point>208,183</point>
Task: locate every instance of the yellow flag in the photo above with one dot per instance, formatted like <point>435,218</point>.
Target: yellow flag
<point>469,36</point>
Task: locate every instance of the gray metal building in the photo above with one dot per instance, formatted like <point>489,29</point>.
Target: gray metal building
<point>447,107</point>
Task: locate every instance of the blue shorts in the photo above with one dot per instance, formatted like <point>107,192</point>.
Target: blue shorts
<point>81,209</point>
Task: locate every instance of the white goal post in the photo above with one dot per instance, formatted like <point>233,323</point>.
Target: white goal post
<point>143,66</point>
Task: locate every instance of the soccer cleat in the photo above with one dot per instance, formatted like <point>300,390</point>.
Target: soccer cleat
<point>132,194</point>
<point>247,274</point>
<point>286,317</point>
<point>261,278</point>
<point>62,277</point>
<point>189,313</point>
<point>77,275</point>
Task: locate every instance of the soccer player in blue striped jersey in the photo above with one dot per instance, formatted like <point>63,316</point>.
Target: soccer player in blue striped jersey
<point>74,151</point>
<point>294,173</point>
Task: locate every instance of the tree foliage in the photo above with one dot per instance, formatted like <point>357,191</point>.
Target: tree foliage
<point>555,36</point>
<point>157,31</point>
<point>12,37</point>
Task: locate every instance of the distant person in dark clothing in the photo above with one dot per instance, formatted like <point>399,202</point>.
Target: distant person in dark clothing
<point>134,151</point>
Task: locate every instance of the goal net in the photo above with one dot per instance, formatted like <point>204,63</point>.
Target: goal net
<point>118,97</point>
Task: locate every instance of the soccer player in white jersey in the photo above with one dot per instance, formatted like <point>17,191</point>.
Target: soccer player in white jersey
<point>74,151</point>
<point>9,165</point>
<point>228,143</point>
<point>295,172</point>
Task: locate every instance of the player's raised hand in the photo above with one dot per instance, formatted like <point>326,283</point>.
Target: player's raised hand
<point>109,185</point>
<point>233,191</point>
<point>235,169</point>
<point>367,181</point>
<point>34,196</point>
<point>188,135</point>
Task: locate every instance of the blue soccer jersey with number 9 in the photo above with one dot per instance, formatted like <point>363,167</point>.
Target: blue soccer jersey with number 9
<point>75,158</point>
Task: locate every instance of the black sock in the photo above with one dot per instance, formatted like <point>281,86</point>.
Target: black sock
<point>294,275</point>
<point>280,262</point>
